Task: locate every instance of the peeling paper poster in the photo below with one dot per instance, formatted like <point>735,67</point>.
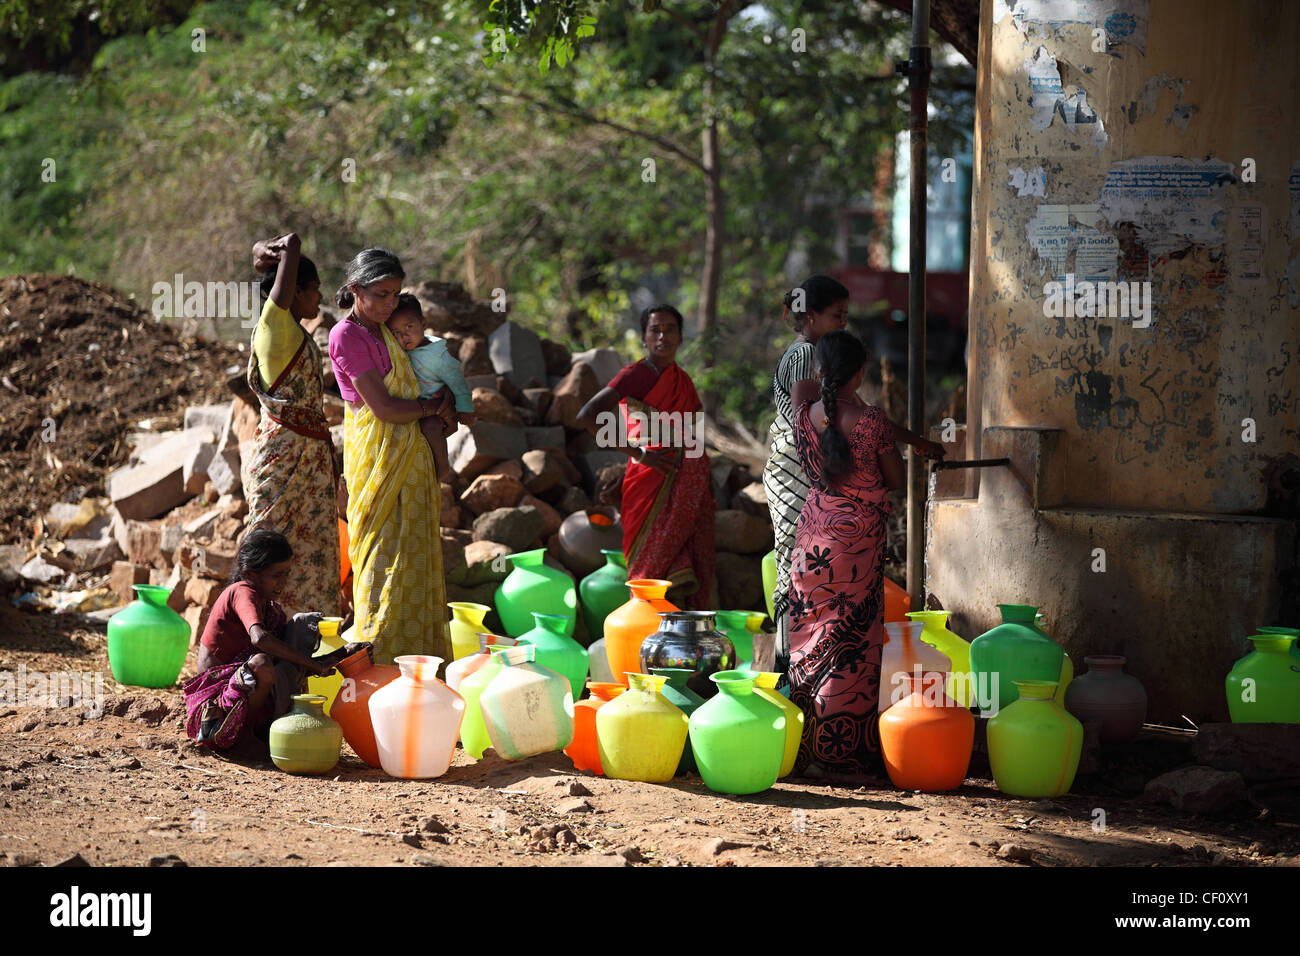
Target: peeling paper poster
<point>1125,21</point>
<point>1031,183</point>
<point>1248,242</point>
<point>1173,202</point>
<point>1058,230</point>
<point>1048,100</point>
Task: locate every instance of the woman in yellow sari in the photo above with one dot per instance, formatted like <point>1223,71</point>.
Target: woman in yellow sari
<point>393,495</point>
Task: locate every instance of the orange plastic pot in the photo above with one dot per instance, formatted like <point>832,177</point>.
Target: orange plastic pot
<point>585,751</point>
<point>926,738</point>
<point>897,603</point>
<point>361,678</point>
<point>345,562</point>
<point>628,626</point>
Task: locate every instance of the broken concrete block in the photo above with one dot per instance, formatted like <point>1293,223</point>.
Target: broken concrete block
<point>215,418</point>
<point>606,363</point>
<point>223,471</point>
<point>155,484</point>
<point>144,543</point>
<point>194,470</point>
<point>123,576</point>
<point>473,450</point>
<point>516,354</point>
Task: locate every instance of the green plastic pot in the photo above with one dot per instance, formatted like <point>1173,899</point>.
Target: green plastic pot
<point>1034,744</point>
<point>734,625</point>
<point>769,582</point>
<point>556,651</point>
<point>306,740</point>
<point>1013,651</point>
<point>1291,632</point>
<point>602,591</point>
<point>738,737</point>
<point>1264,686</point>
<point>474,736</point>
<point>147,640</point>
<point>684,699</point>
<point>534,586</point>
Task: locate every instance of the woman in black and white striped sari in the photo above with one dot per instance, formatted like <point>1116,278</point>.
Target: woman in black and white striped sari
<point>818,306</point>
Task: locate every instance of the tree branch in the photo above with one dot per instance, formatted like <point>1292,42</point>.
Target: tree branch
<point>688,24</point>
<point>589,117</point>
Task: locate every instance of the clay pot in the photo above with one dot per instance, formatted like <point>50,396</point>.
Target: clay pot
<point>585,534</point>
<point>1109,696</point>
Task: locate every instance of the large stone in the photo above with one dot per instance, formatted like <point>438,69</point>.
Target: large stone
<point>574,499</point>
<point>244,419</point>
<point>752,499</point>
<point>449,307</point>
<point>539,400</point>
<point>742,533</point>
<point>196,617</point>
<point>491,406</point>
<point>572,392</point>
<point>516,528</point>
<point>474,357</point>
<point>486,561</point>
<point>740,581</point>
<point>511,469</point>
<point>203,591</point>
<point>473,450</point>
<point>123,576</point>
<point>557,356</point>
<point>606,363</point>
<point>1197,789</point>
<point>509,389</point>
<point>1259,752</point>
<point>481,381</point>
<point>144,543</point>
<point>545,436</point>
<point>214,561</point>
<point>194,470</point>
<point>516,354</point>
<point>542,470</point>
<point>91,555</point>
<point>155,483</point>
<point>551,519</point>
<point>488,492</point>
<point>453,560</point>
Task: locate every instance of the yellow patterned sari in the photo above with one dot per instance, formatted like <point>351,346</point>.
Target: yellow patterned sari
<point>396,551</point>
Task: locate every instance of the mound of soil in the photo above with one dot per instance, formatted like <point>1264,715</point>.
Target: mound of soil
<point>80,365</point>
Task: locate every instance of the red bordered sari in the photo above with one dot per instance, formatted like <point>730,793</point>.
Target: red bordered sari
<point>668,520</point>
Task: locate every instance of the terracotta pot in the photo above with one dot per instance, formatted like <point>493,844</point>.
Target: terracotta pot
<point>585,534</point>
<point>1107,695</point>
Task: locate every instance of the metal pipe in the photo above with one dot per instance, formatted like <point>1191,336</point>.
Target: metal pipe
<point>976,463</point>
<point>918,81</point>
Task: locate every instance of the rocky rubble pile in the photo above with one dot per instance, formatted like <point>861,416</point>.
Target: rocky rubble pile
<point>174,512</point>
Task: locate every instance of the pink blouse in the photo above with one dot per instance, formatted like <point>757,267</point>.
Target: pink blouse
<point>353,352</point>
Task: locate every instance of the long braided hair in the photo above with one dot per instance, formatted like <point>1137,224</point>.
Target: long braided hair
<point>840,356</point>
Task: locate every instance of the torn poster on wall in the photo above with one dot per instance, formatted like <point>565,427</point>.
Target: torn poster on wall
<point>1031,183</point>
<point>1048,99</point>
<point>1124,21</point>
<point>1172,202</point>
<point>1248,241</point>
<point>1180,115</point>
<point>1056,231</point>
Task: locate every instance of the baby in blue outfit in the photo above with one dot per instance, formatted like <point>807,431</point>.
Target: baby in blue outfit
<point>435,368</point>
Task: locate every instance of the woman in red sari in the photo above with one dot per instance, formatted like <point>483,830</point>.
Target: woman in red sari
<point>667,509</point>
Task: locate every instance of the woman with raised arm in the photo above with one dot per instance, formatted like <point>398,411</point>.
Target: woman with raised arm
<point>393,496</point>
<point>290,481</point>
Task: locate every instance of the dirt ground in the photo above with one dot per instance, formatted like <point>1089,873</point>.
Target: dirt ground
<point>127,789</point>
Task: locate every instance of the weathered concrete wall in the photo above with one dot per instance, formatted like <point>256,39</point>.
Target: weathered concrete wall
<point>1186,92</point>
<point>1154,142</point>
<point>1175,593</point>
